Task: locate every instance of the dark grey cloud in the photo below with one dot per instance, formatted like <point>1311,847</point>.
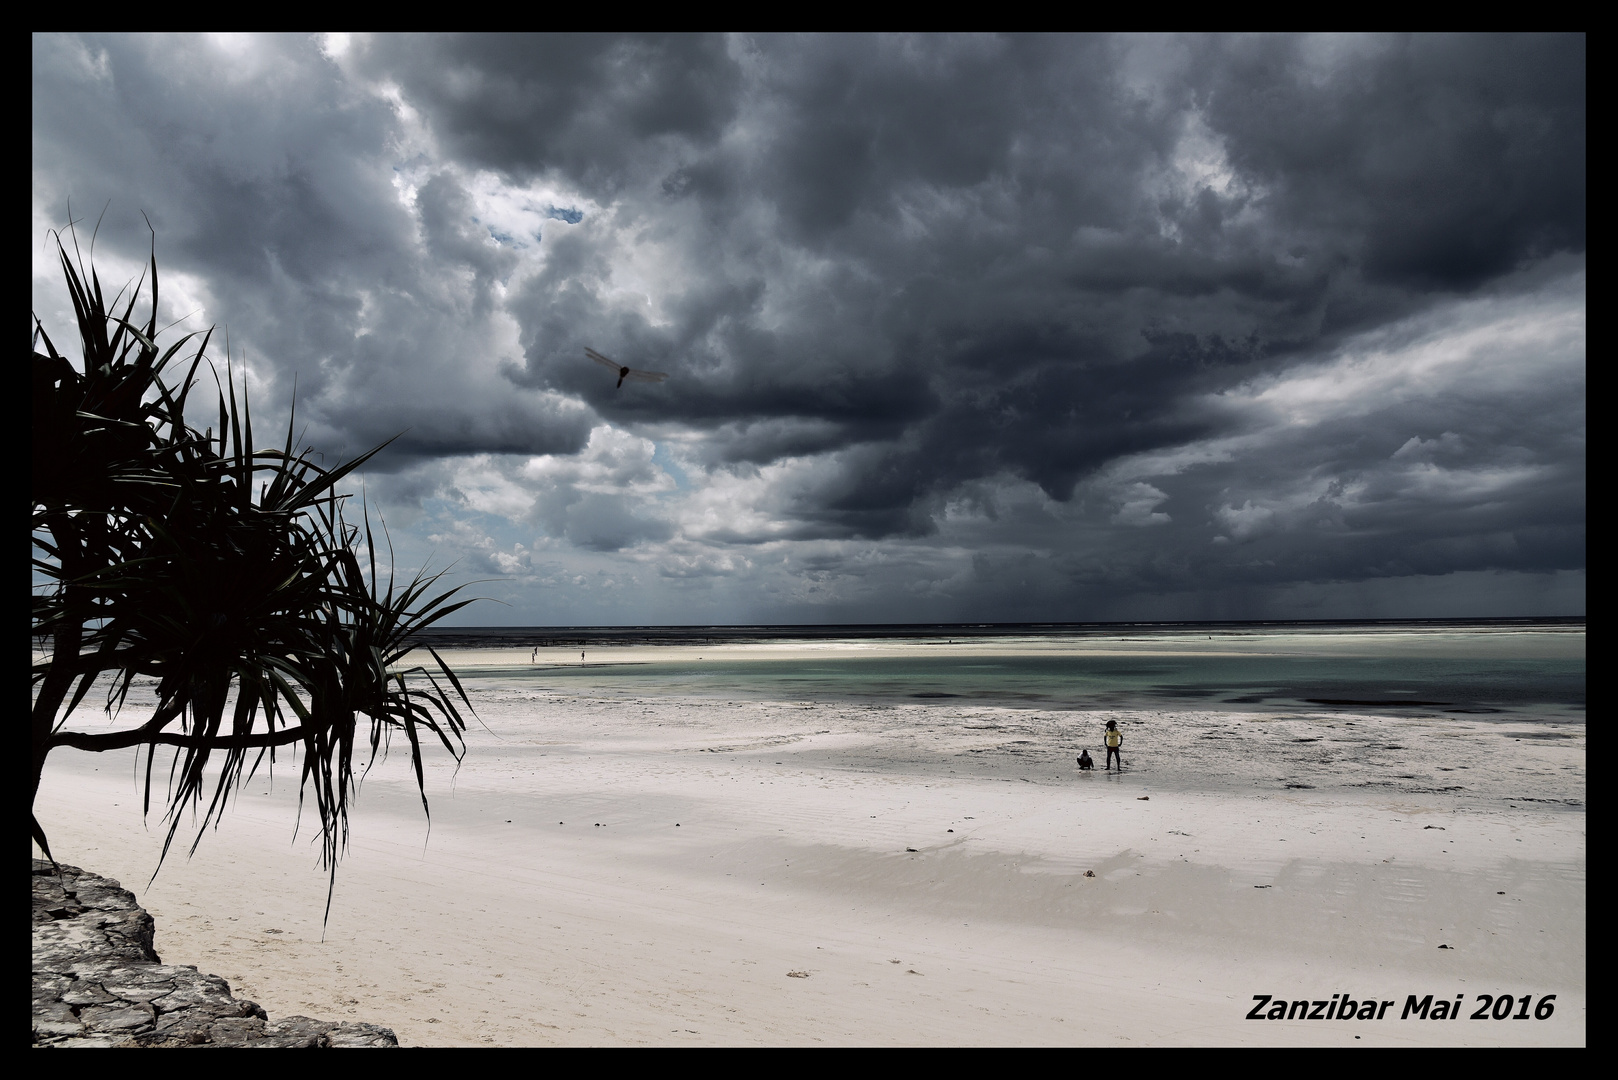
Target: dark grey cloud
<point>1436,161</point>
<point>1030,292</point>
<point>947,291</point>
<point>270,177</point>
<point>600,522</point>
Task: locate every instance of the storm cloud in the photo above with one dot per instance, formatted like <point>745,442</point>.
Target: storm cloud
<point>979,327</point>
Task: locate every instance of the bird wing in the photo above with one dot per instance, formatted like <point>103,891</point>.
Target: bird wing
<point>602,360</point>
<point>645,376</point>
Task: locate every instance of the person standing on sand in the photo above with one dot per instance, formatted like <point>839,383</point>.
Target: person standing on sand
<point>1115,742</point>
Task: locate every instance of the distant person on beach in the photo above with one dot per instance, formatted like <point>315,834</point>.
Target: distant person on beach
<point>1086,762</point>
<point>1115,742</point>
<point>534,659</point>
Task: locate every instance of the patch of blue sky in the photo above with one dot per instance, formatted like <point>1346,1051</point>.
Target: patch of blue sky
<point>565,213</point>
<point>499,236</point>
<point>665,461</point>
<point>470,544</point>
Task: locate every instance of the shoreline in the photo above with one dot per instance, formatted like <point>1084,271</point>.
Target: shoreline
<point>739,843</point>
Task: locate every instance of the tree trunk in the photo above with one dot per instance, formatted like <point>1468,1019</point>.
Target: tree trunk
<point>66,639</point>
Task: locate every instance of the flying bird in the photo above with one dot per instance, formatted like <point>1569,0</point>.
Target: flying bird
<point>623,371</point>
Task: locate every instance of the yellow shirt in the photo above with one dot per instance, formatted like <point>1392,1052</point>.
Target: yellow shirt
<point>1115,737</point>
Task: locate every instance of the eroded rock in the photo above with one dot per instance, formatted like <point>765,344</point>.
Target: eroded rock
<point>98,981</point>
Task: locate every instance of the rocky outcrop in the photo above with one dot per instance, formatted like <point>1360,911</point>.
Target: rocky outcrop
<point>98,982</point>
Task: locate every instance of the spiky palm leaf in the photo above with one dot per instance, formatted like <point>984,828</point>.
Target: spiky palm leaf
<point>215,569</point>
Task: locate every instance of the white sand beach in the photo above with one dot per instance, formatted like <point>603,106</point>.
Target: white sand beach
<point>607,869</point>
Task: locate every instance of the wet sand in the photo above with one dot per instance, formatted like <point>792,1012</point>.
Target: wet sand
<point>607,869</point>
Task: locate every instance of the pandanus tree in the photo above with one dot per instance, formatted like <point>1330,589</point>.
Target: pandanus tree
<point>225,573</point>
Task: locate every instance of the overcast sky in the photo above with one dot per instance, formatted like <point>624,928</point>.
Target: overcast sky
<point>956,329</point>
